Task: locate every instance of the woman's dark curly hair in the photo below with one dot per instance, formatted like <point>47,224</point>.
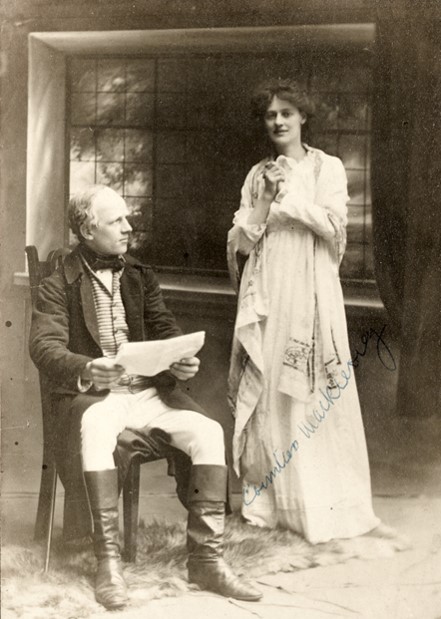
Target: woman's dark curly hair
<point>286,89</point>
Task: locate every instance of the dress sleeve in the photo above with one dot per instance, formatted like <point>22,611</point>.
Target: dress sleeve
<point>327,215</point>
<point>329,206</point>
<point>243,236</point>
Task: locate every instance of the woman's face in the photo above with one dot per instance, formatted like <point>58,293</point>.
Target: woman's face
<point>283,122</point>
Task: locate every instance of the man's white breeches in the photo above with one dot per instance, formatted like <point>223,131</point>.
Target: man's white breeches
<point>198,436</point>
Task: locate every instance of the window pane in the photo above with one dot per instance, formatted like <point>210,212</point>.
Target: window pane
<point>138,242</point>
<point>326,112</point>
<point>83,109</point>
<point>82,174</point>
<point>138,180</point>
<point>200,71</point>
<point>139,109</point>
<point>369,272</point>
<point>110,109</point>
<point>111,174</point>
<point>141,220</point>
<point>203,110</point>
<point>234,109</point>
<point>355,76</point>
<point>111,76</point>
<point>325,74</point>
<point>213,222</point>
<point>140,212</point>
<point>138,145</point>
<point>140,75</point>
<point>352,266</point>
<point>110,144</point>
<point>171,75</point>
<point>171,147</point>
<point>226,182</point>
<point>200,181</point>
<point>171,108</point>
<point>356,186</point>
<point>82,74</point>
<point>353,112</point>
<point>340,73</point>
<point>353,151</point>
<point>171,180</point>
<point>368,224</point>
<point>355,230</point>
<point>174,234</point>
<point>326,142</point>
<point>82,144</point>
<point>204,147</point>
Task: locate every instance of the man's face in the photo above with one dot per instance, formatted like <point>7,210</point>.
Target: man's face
<point>110,234</point>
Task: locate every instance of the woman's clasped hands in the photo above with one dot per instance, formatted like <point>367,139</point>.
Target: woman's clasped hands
<point>273,178</point>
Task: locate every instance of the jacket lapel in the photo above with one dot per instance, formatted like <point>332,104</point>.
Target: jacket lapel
<point>132,293</point>
<point>74,272</point>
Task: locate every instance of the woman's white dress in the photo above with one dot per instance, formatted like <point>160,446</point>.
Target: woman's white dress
<point>299,441</point>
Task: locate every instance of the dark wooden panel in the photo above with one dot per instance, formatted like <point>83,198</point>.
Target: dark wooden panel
<point>187,13</point>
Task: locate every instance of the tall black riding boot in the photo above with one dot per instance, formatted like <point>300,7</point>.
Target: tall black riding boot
<point>205,533</point>
<point>102,488</point>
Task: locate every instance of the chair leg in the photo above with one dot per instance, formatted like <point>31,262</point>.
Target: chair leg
<point>45,500</point>
<point>51,520</point>
<point>131,509</point>
<point>44,524</point>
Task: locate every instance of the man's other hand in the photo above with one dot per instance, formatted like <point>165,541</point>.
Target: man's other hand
<point>185,368</point>
<point>102,372</point>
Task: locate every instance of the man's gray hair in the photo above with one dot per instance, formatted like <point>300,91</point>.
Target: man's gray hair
<point>80,209</point>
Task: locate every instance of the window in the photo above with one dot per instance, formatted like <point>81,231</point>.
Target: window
<point>174,136</point>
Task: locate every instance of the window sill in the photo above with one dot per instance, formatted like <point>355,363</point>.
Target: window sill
<point>360,297</point>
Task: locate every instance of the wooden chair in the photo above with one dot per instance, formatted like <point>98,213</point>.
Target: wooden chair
<point>179,464</point>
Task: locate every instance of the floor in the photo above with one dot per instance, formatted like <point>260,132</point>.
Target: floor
<point>405,458</point>
<point>406,585</point>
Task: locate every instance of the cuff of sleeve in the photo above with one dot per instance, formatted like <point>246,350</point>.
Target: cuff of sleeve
<point>83,385</point>
<point>254,231</point>
<point>280,195</point>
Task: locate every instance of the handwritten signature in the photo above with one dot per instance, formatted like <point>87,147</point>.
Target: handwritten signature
<point>330,395</point>
<point>383,351</point>
<point>269,477</point>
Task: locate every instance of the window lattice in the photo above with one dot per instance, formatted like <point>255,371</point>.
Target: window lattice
<point>174,136</point>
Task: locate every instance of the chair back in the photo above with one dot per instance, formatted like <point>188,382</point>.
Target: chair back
<point>39,269</point>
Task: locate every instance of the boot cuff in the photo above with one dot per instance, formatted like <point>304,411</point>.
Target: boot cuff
<point>102,488</point>
<point>208,482</point>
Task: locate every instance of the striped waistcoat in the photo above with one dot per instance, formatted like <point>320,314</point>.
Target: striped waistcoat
<point>113,329</point>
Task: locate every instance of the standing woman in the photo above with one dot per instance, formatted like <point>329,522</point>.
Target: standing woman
<point>299,442</point>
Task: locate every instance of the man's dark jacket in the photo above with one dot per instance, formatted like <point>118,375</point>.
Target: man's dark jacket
<point>64,338</point>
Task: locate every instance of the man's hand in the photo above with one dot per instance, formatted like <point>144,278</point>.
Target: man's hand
<point>185,368</point>
<point>102,372</point>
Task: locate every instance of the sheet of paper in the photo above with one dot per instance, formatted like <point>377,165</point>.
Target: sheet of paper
<point>150,358</point>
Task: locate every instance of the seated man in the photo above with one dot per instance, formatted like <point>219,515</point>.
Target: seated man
<point>99,299</point>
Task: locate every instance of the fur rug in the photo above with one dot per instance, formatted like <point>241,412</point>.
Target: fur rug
<point>67,590</point>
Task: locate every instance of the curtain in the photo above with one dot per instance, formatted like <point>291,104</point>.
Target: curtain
<point>406,194</point>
